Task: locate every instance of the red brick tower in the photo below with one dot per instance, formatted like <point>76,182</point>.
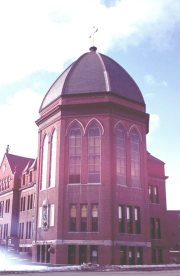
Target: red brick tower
<point>92,167</point>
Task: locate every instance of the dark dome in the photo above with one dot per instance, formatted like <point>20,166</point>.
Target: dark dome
<point>91,73</point>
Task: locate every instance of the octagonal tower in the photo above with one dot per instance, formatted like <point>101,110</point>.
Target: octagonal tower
<point>92,169</point>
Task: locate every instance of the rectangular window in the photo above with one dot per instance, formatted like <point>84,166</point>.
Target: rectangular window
<point>71,254</point>
<point>155,228</point>
<point>84,211</point>
<point>152,225</point>
<point>30,176</point>
<point>94,254</point>
<point>160,255</point>
<point>51,215</point>
<point>139,255</point>
<point>153,256</point>
<point>157,256</point>
<point>94,217</point>
<point>1,208</point>
<point>28,230</point>
<point>31,201</point>
<point>75,155</point>
<point>94,154</point>
<point>24,179</point>
<point>44,163</point>
<point>131,255</point>
<point>151,193</point>
<point>94,172</point>
<point>158,228</point>
<point>120,156</point>
<point>28,203</point>
<point>82,254</point>
<point>123,255</point>
<point>21,230</point>
<point>129,219</point>
<point>5,233</point>
<point>156,194</point>
<point>73,217</point>
<point>135,158</point>
<point>23,204</point>
<point>137,220</point>
<point>74,169</point>
<point>121,219</point>
<point>1,231</point>
<point>7,206</point>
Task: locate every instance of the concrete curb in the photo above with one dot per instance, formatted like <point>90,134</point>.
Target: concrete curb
<point>90,267</point>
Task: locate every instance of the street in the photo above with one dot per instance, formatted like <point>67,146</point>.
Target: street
<point>120,273</point>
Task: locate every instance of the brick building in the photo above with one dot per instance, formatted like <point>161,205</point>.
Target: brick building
<point>11,175</point>
<point>100,196</point>
<point>173,235</point>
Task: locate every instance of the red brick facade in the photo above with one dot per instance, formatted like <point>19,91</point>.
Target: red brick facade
<point>100,196</point>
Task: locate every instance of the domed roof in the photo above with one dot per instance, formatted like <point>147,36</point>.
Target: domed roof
<point>91,73</point>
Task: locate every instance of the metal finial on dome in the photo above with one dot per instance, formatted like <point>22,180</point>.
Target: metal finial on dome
<point>92,36</point>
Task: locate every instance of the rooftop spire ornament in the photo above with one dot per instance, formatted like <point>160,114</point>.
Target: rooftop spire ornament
<point>93,34</point>
<point>7,149</point>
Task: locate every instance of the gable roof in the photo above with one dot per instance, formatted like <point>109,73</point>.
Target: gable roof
<point>18,163</point>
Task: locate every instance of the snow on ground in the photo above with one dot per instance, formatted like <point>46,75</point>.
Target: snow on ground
<point>15,262</point>
<point>42,268</point>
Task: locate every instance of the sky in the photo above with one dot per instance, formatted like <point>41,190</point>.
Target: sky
<point>40,38</point>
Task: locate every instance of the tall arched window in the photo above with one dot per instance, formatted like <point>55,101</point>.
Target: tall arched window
<point>44,163</point>
<point>94,154</point>
<point>75,152</point>
<point>135,158</point>
<point>53,159</point>
<point>120,156</point>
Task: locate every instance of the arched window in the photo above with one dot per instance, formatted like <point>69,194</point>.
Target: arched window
<point>135,158</point>
<point>44,163</point>
<point>120,156</point>
<point>75,152</point>
<point>94,154</point>
<point>53,159</point>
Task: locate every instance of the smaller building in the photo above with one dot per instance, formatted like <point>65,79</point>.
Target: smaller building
<point>11,170</point>
<point>26,208</point>
<point>173,236</point>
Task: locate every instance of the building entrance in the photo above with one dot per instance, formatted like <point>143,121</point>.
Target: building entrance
<point>43,254</point>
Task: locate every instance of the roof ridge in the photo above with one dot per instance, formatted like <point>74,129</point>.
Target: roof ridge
<point>106,75</point>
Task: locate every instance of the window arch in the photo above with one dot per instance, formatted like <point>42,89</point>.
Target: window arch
<point>53,159</point>
<point>135,158</point>
<point>75,122</point>
<point>120,156</point>
<point>75,154</point>
<point>94,153</point>
<point>44,163</point>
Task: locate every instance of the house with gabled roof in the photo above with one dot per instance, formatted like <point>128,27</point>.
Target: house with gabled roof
<point>11,170</point>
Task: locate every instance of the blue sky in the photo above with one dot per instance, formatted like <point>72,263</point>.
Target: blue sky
<point>40,38</point>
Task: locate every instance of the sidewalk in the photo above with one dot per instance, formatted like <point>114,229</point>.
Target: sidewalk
<point>11,262</point>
